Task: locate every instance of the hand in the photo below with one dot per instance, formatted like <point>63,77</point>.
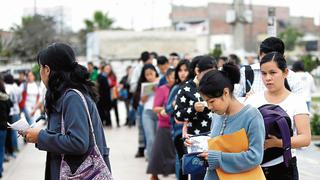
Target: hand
<point>204,155</point>
<point>199,106</point>
<point>250,93</point>
<point>272,142</point>
<point>33,112</point>
<point>186,141</point>
<point>163,112</point>
<point>144,99</point>
<point>31,135</point>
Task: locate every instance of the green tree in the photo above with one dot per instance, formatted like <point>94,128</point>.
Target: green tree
<point>290,36</point>
<point>100,21</point>
<point>35,33</point>
<point>216,52</point>
<point>310,62</point>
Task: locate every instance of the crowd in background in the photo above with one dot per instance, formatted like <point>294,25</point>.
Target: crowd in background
<point>175,109</point>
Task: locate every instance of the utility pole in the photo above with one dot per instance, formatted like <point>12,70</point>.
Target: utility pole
<point>272,22</point>
<point>238,26</point>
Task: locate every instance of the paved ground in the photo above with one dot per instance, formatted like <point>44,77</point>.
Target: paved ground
<point>30,162</point>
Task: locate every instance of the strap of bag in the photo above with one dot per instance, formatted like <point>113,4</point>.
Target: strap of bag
<point>249,76</point>
<point>286,141</point>
<point>286,84</point>
<point>90,120</point>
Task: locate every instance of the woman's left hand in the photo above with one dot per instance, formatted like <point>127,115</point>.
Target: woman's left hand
<point>204,155</point>
<point>31,135</point>
<point>272,142</point>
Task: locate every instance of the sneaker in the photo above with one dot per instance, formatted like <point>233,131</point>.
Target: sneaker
<point>140,153</point>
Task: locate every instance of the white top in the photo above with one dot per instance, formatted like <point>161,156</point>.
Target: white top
<point>149,103</point>
<point>32,95</point>
<point>15,96</point>
<point>292,105</point>
<point>134,78</point>
<point>308,85</point>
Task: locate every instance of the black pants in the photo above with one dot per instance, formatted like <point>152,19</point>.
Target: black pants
<point>104,113</point>
<point>181,150</point>
<point>280,171</point>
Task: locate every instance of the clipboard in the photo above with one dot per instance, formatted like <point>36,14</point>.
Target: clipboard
<point>235,143</point>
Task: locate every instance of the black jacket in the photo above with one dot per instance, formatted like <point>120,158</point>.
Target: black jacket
<point>5,105</point>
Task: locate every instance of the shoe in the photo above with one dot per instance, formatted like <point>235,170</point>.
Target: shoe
<point>317,144</point>
<point>140,153</point>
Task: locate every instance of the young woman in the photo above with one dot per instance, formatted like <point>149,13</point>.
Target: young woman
<point>181,76</point>
<point>274,71</point>
<point>216,87</point>
<point>60,72</point>
<point>162,160</point>
<point>114,90</point>
<point>190,108</point>
<point>149,118</point>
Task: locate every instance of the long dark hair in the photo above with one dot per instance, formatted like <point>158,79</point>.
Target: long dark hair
<point>142,79</point>
<point>183,62</point>
<point>65,73</point>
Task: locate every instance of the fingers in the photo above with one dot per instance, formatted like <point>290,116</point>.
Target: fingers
<point>187,142</point>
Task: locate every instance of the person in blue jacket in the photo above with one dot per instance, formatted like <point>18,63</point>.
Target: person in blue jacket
<point>216,87</point>
<point>60,73</point>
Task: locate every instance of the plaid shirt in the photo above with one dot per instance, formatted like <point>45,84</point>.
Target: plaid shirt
<point>258,86</point>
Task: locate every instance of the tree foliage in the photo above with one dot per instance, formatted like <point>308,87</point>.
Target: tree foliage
<point>310,62</point>
<point>34,33</point>
<point>100,21</point>
<point>290,36</point>
<point>216,52</point>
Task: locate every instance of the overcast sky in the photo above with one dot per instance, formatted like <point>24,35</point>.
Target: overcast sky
<point>137,14</point>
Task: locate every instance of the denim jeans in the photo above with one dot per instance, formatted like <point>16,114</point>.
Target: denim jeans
<point>3,134</point>
<point>150,122</point>
<point>14,134</point>
<point>27,116</point>
<point>141,133</point>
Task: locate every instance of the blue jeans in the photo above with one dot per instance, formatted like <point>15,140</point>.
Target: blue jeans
<point>3,134</point>
<point>14,134</point>
<point>27,116</point>
<point>141,133</point>
<point>150,122</point>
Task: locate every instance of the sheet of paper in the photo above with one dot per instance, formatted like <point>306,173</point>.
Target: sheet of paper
<point>148,88</point>
<point>21,125</point>
<point>199,144</point>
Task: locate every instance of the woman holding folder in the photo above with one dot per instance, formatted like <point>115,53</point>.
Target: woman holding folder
<point>237,131</point>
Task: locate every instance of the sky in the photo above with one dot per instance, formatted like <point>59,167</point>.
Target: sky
<point>136,14</point>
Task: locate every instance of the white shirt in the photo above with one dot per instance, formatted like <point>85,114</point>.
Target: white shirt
<point>32,95</point>
<point>308,85</point>
<point>15,96</point>
<point>292,105</point>
<point>134,78</point>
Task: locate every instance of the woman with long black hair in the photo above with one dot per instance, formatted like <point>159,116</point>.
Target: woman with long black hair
<point>64,77</point>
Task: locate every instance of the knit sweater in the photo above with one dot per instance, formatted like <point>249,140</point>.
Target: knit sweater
<point>251,120</point>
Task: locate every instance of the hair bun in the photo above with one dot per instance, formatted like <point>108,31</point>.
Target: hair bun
<point>232,72</point>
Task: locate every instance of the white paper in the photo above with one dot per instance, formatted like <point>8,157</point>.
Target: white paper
<point>21,125</point>
<point>147,88</point>
<point>198,144</point>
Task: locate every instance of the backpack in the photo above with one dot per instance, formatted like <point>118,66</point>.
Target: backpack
<point>249,75</point>
<point>277,123</point>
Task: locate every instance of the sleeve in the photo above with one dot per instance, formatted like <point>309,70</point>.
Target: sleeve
<point>184,111</point>
<point>171,98</point>
<point>239,90</point>
<point>294,83</point>
<point>240,162</point>
<point>76,138</point>
<point>300,106</point>
<point>158,98</point>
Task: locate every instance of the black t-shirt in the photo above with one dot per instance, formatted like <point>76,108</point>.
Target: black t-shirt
<point>200,122</point>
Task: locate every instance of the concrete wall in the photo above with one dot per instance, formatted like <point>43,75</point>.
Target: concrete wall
<point>129,44</point>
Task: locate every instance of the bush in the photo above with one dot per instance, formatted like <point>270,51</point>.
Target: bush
<point>315,124</point>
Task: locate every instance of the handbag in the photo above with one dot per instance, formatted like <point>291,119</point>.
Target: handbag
<point>193,164</point>
<point>94,166</point>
